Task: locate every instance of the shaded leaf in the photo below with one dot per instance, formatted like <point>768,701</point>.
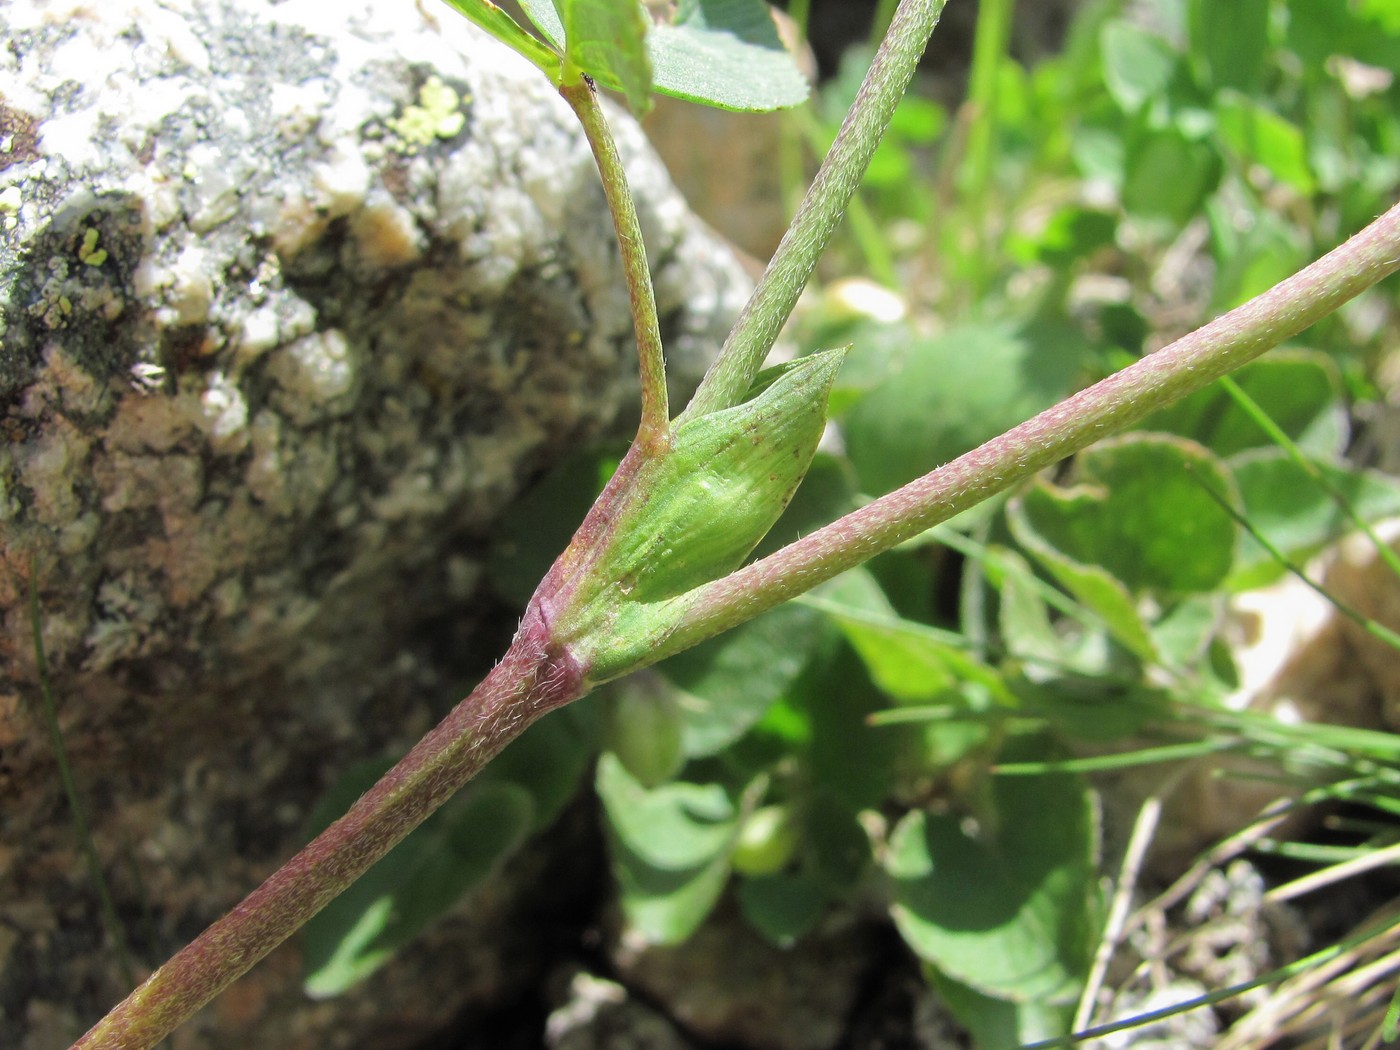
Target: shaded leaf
<point>1008,910</point>
<point>1296,514</point>
<point>1141,508</point>
<point>956,391</point>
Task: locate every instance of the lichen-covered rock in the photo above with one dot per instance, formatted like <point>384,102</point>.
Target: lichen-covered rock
<point>294,299</point>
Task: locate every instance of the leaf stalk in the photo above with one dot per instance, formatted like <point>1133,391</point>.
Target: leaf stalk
<point>583,98</point>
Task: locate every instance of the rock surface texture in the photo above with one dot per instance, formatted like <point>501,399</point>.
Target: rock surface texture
<point>294,299</point>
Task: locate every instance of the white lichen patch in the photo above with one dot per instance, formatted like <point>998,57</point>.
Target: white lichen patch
<point>190,287</point>
<point>52,468</point>
<point>317,375</point>
<point>125,624</point>
<point>225,415</point>
<point>342,181</point>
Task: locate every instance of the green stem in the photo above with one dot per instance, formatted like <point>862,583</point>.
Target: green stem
<point>988,52</point>
<point>530,680</point>
<point>1075,423</point>
<point>821,210</point>
<point>656,414</point>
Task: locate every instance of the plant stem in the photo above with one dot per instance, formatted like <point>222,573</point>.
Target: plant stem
<point>1106,407</point>
<point>531,679</point>
<point>656,415</point>
<point>821,210</point>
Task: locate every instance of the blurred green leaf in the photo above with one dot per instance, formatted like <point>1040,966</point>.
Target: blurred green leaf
<point>1230,41</point>
<point>1000,1022</point>
<point>910,661</point>
<point>1007,909</point>
<point>1257,135</point>
<point>1301,391</point>
<point>783,907</point>
<point>724,686</point>
<point>956,391</point>
<point>607,39</point>
<point>1168,175</point>
<point>643,728</point>
<point>1139,508</point>
<point>674,827</point>
<point>1296,514</point>
<point>670,849</point>
<point>1094,587</point>
<point>1137,64</point>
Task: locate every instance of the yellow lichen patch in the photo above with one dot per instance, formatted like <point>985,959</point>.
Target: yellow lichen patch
<point>437,115</point>
<point>10,200</point>
<point>88,252</point>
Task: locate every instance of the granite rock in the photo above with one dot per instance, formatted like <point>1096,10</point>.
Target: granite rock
<point>294,300</point>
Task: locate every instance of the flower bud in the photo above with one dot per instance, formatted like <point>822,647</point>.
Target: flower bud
<point>693,514</point>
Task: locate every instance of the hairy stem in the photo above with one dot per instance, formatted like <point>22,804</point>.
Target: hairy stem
<point>821,210</point>
<point>656,415</point>
<point>1075,423</point>
<point>530,680</point>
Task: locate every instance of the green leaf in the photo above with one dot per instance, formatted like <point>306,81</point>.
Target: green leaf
<point>1005,906</point>
<point>1296,514</point>
<point>424,876</point>
<point>1000,1022</point>
<point>1168,175</point>
<point>783,907</point>
<point>1140,507</point>
<point>642,727</point>
<point>670,849</point>
<point>1252,259</point>
<point>726,53</point>
<point>956,391</point>
<point>505,29</point>
<point>853,763</point>
<point>1231,40</point>
<point>910,661</point>
<point>1184,630</point>
<point>1301,391</point>
<point>722,687</point>
<point>674,827</point>
<point>607,39</point>
<point>722,53</point>
<point>1137,65</point>
<point>1092,586</point>
<point>1257,135</point>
